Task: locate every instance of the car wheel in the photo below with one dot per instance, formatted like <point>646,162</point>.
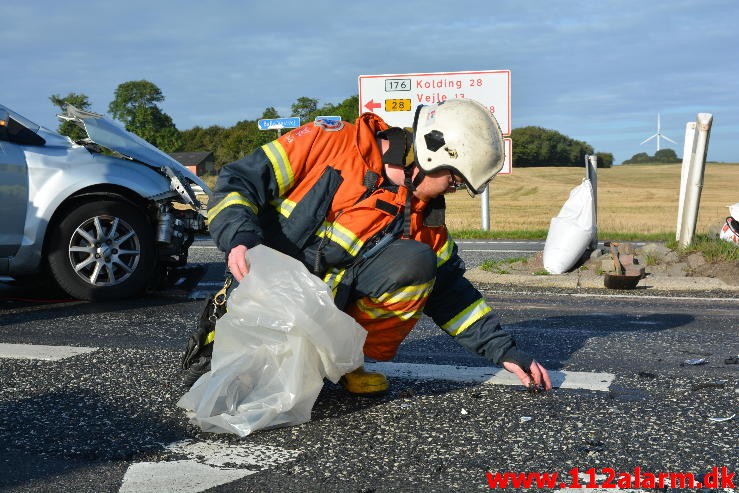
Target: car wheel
<point>102,250</point>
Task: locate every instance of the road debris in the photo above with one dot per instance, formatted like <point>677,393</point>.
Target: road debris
<point>592,446</point>
<point>719,384</point>
<point>721,420</point>
<point>694,362</point>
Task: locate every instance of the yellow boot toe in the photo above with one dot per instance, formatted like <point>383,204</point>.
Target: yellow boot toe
<point>362,382</point>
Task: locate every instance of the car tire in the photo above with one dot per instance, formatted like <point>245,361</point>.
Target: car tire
<point>102,250</point>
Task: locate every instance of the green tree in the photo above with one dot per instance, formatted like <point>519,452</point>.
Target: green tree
<point>605,159</point>
<point>661,156</point>
<point>135,104</point>
<point>641,157</point>
<point>270,113</point>
<point>79,101</point>
<point>348,109</point>
<point>305,108</point>
<point>666,156</point>
<point>537,146</point>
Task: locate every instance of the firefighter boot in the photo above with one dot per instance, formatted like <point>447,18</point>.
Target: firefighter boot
<point>362,382</point>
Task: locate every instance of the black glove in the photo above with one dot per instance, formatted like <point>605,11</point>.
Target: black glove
<point>515,355</point>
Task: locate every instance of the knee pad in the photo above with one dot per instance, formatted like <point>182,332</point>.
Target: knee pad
<point>410,262</point>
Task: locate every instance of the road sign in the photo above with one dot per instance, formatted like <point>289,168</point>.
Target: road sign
<point>279,123</point>
<point>395,97</point>
<point>333,120</point>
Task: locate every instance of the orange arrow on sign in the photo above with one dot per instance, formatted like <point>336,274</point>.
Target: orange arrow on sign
<point>371,105</point>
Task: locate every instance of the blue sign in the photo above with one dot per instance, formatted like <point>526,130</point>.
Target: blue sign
<point>279,123</point>
<point>328,119</point>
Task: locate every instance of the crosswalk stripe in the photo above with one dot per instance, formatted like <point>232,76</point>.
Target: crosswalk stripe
<point>490,376</point>
<point>45,353</point>
<point>208,464</point>
<point>183,476</point>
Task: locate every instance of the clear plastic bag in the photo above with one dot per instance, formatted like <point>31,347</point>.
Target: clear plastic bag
<point>571,231</point>
<point>282,334</point>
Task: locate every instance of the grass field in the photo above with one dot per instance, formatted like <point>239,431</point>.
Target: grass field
<point>632,199</point>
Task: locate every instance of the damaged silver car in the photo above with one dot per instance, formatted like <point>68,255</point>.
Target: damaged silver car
<point>105,216</point>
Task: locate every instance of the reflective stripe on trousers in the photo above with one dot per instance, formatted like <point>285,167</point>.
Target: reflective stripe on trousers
<point>388,293</point>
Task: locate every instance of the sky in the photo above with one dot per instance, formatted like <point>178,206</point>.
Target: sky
<point>599,71</point>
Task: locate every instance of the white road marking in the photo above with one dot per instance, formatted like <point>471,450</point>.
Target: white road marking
<point>490,376</point>
<point>500,251</point>
<point>640,297</point>
<point>498,242</point>
<point>46,353</point>
<point>207,464</point>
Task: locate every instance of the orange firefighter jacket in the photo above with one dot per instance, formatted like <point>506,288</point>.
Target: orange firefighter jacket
<point>318,194</point>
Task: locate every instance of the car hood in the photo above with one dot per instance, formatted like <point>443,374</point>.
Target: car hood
<point>109,134</point>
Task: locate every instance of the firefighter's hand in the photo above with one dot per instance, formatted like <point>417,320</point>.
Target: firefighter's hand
<point>237,264</point>
<point>534,378</point>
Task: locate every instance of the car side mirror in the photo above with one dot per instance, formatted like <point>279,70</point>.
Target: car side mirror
<point>12,130</point>
<point>3,124</point>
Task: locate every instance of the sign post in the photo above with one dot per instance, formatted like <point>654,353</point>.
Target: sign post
<point>395,98</point>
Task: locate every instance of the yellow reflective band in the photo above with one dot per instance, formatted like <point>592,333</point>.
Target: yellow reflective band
<point>445,252</point>
<point>323,229</point>
<point>210,337</point>
<point>407,293</point>
<point>284,206</point>
<point>342,236</point>
<point>466,317</point>
<point>333,278</point>
<point>233,198</point>
<point>281,166</point>
<point>379,312</point>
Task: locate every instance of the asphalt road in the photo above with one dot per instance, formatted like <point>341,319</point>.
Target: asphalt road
<point>106,420</point>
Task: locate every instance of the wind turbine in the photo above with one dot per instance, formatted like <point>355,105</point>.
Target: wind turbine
<point>658,135</point>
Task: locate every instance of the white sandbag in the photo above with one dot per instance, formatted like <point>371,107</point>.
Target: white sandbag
<point>282,334</point>
<point>734,211</point>
<point>571,232</point>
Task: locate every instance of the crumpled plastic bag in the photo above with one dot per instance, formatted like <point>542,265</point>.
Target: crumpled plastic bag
<point>282,334</point>
<point>571,231</point>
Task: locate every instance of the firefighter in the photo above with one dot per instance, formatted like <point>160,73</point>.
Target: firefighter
<point>362,206</point>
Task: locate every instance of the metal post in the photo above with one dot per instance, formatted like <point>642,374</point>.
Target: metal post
<point>485,208</point>
<point>695,179</point>
<point>688,153</point>
<point>591,173</point>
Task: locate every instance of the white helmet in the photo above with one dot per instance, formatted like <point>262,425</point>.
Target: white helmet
<point>461,135</point>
